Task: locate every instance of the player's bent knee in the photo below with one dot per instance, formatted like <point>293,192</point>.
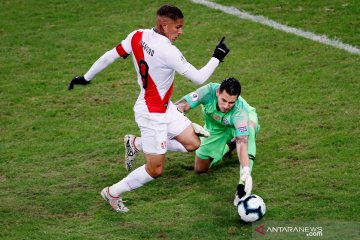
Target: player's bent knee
<point>200,171</point>
<point>193,146</point>
<point>155,172</point>
<point>197,143</point>
<point>201,165</point>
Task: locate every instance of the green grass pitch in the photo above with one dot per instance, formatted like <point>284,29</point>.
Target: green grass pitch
<point>58,148</point>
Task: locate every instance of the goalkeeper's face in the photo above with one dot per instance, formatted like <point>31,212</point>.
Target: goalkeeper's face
<point>225,101</point>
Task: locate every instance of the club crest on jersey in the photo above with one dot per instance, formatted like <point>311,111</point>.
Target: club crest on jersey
<point>194,96</point>
<point>216,117</point>
<point>163,145</point>
<point>226,121</point>
<point>242,129</point>
<point>182,59</point>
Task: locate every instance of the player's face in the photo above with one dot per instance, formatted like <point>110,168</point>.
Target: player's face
<point>225,101</point>
<point>173,29</point>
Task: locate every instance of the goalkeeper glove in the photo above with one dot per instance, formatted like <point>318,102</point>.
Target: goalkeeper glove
<point>247,179</point>
<point>79,80</point>
<point>221,50</point>
<point>200,131</point>
<point>240,193</point>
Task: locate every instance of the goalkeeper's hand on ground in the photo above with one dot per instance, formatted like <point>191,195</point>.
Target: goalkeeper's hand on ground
<point>247,179</point>
<point>79,80</point>
<point>221,50</point>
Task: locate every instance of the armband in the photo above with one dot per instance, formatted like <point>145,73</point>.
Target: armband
<point>121,51</point>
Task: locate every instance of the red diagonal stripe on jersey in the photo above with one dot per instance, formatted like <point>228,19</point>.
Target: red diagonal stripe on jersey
<point>152,97</point>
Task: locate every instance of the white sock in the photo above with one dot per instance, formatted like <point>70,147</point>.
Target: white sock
<point>175,146</point>
<point>135,179</point>
<point>172,145</point>
<point>138,143</point>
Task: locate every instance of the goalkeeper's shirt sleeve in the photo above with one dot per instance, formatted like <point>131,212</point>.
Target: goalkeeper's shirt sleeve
<point>200,96</point>
<point>241,122</point>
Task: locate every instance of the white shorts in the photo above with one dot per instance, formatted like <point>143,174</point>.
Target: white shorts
<point>157,129</point>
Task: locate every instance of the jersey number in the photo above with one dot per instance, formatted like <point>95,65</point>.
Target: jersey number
<point>144,72</point>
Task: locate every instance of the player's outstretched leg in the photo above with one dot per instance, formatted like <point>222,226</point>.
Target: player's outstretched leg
<point>116,203</point>
<point>130,151</point>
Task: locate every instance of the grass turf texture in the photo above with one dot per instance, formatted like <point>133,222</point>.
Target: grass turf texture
<point>60,148</point>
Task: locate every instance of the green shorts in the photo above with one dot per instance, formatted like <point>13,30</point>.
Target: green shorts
<point>213,147</point>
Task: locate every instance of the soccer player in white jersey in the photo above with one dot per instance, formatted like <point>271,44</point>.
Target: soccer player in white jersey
<point>156,60</point>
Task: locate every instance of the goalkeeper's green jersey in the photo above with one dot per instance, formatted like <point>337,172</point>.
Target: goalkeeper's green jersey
<point>215,120</point>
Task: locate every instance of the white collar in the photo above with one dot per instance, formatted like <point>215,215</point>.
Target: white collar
<point>162,37</point>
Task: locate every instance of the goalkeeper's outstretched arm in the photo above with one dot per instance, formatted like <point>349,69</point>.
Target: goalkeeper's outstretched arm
<point>245,173</point>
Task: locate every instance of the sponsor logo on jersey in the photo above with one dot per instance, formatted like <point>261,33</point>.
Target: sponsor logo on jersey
<point>242,129</point>
<point>146,48</point>
<point>194,96</point>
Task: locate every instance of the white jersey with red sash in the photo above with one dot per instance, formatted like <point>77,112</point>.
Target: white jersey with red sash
<point>155,60</point>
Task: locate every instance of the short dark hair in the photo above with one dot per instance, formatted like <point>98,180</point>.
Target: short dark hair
<point>231,85</point>
<point>170,11</point>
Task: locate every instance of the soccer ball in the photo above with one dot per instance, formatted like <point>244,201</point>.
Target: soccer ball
<point>251,208</point>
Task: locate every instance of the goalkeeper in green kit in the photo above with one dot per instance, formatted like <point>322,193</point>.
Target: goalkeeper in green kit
<point>231,122</point>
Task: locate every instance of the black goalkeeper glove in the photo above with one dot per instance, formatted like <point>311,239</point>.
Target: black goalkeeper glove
<point>221,50</point>
<point>79,80</point>
<point>240,190</point>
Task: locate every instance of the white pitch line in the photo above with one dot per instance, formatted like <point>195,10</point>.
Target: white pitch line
<point>268,22</point>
